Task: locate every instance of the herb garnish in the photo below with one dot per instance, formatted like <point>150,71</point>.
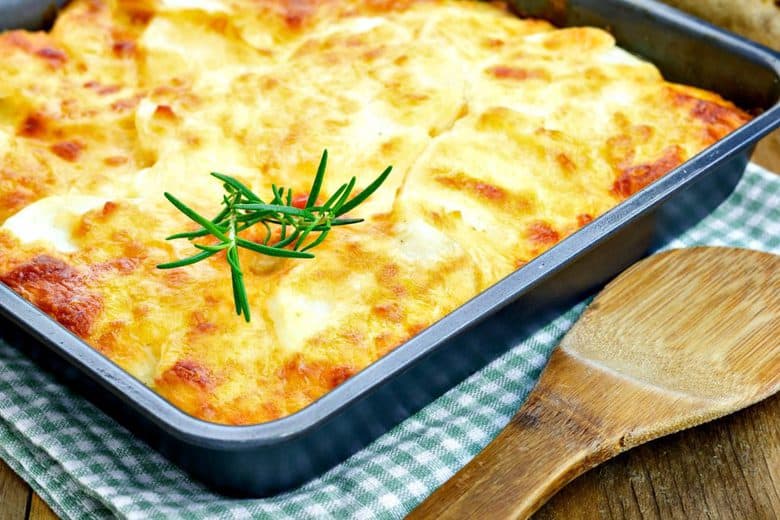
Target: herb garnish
<point>299,228</point>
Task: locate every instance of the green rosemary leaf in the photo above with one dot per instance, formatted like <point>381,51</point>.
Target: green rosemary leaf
<point>271,251</point>
<point>278,195</point>
<point>189,234</point>
<point>214,249</point>
<point>239,290</point>
<point>195,216</point>
<point>302,238</point>
<point>344,196</point>
<point>275,208</point>
<point>333,198</point>
<point>345,221</point>
<point>317,184</point>
<point>363,195</point>
<point>317,241</point>
<point>238,185</point>
<point>286,241</point>
<point>187,261</point>
<point>268,233</point>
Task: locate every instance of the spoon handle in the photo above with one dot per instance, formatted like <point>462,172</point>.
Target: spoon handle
<point>550,441</point>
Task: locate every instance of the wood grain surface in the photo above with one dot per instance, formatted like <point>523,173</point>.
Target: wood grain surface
<point>726,469</point>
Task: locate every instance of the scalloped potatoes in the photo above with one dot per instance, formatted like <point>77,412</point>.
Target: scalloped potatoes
<point>506,135</point>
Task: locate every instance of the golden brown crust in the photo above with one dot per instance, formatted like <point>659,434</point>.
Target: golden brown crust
<point>505,135</point>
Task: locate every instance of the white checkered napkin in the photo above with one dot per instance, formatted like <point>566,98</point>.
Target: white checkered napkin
<point>85,465</point>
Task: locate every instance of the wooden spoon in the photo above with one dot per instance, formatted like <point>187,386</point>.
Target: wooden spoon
<point>679,339</point>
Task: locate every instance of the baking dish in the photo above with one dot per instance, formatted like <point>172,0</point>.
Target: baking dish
<point>262,459</point>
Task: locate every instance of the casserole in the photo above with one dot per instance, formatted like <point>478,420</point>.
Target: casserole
<point>220,445</point>
<point>449,93</point>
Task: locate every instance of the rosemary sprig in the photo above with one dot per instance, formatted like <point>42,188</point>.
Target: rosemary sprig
<point>299,228</point>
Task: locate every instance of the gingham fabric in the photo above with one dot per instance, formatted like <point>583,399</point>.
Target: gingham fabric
<point>85,465</point>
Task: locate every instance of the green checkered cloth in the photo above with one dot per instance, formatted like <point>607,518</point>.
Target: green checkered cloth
<point>85,465</point>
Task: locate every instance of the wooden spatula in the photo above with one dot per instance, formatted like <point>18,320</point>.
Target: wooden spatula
<point>679,339</point>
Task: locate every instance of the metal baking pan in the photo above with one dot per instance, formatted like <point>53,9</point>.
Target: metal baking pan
<point>267,458</point>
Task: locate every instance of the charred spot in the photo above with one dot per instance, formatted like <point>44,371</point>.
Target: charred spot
<point>415,329</point>
<point>314,373</point>
<point>480,188</point>
<point>123,48</point>
<point>641,132</point>
<point>34,125</point>
<point>68,150</point>
<point>219,25</point>
<point>634,178</point>
<point>296,12</point>
<point>493,43</point>
<point>122,265</point>
<point>16,199</point>
<point>106,343</point>
<point>711,113</point>
<point>398,290</point>
<point>720,119</point>
<point>141,310</point>
<point>384,342</point>
<point>191,372</point>
<point>54,57</point>
<point>201,324</point>
<point>162,90</point>
<point>565,162</point>
<point>125,104</point>
<point>105,90</point>
<point>59,290</point>
<point>176,277</point>
<point>516,73</point>
<point>389,5</point>
<point>337,375</point>
<point>542,233</point>
<point>583,219</point>
<point>95,6</point>
<point>388,272</point>
<point>164,112</point>
<point>488,191</point>
<point>389,311</point>
<point>134,249</point>
<point>374,53</point>
<point>115,160</point>
<point>141,17</point>
<point>100,89</point>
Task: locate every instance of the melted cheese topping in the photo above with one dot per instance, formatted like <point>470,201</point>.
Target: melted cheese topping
<point>506,135</point>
